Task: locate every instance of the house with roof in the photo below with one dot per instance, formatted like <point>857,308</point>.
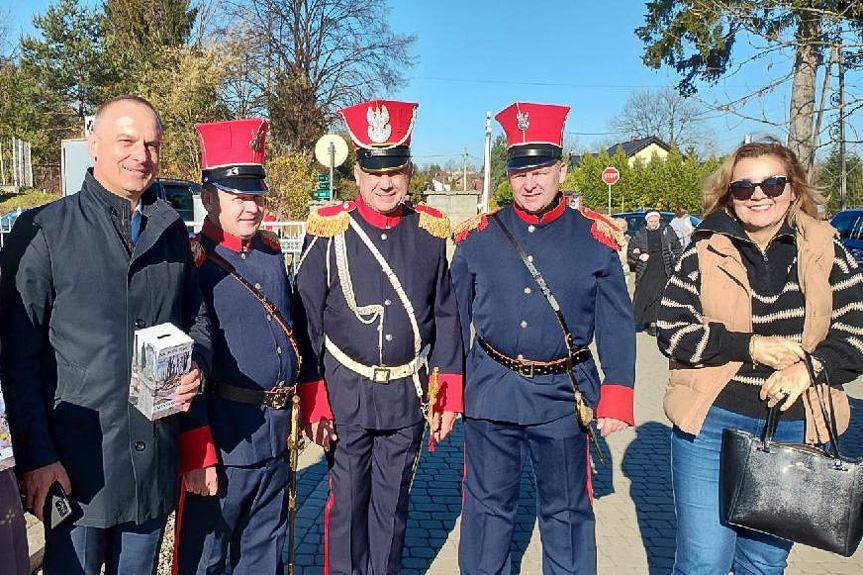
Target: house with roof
<point>635,149</point>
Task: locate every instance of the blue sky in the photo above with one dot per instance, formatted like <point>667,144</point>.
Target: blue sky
<point>481,55</point>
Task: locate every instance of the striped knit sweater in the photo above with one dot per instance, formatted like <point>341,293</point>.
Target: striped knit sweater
<point>777,310</point>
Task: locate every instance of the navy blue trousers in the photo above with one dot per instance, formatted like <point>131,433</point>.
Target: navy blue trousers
<point>495,453</point>
<point>246,523</point>
<point>123,549</point>
<point>367,511</point>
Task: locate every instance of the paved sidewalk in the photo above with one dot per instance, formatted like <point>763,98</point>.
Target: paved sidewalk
<point>634,508</point>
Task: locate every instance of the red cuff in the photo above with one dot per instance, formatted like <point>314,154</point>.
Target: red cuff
<point>615,401</point>
<point>450,396</point>
<point>314,401</point>
<point>197,449</point>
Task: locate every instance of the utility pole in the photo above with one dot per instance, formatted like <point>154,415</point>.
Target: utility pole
<point>843,168</point>
<point>464,173</point>
<point>486,173</point>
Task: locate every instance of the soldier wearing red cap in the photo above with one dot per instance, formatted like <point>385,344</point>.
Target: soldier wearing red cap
<point>255,362</point>
<point>374,285</point>
<point>537,282</point>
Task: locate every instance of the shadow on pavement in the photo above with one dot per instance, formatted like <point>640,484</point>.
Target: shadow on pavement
<point>647,464</point>
<point>601,479</point>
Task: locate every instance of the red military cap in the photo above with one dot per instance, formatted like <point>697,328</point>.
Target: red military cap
<point>534,134</point>
<point>381,132</point>
<point>232,155</point>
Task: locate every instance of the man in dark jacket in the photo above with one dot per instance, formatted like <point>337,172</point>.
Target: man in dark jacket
<point>652,252</point>
<point>78,277</point>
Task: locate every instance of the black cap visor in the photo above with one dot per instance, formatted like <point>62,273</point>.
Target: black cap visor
<point>376,161</point>
<point>241,179</point>
<point>532,156</point>
<point>241,185</point>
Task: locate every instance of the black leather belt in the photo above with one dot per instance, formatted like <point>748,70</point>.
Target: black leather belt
<point>529,368</point>
<point>279,397</point>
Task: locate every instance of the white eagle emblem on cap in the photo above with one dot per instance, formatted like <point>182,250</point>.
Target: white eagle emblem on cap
<point>522,120</point>
<point>379,124</point>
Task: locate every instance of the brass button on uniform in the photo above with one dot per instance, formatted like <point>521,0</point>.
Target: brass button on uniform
<point>388,302</point>
<point>140,446</point>
<point>523,324</point>
<point>388,337</point>
<point>383,236</point>
<point>531,228</point>
<point>279,350</point>
<point>527,290</point>
<point>258,286</point>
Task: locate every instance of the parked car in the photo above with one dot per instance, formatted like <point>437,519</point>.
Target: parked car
<point>850,226</point>
<point>635,220</point>
<point>184,196</point>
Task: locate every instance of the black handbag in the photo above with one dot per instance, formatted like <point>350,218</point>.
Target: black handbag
<point>793,491</point>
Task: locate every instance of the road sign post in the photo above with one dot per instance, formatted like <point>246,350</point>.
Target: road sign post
<point>331,151</point>
<point>610,176</point>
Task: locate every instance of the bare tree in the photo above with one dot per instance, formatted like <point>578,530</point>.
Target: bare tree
<point>301,60</point>
<point>677,120</point>
<point>698,37</point>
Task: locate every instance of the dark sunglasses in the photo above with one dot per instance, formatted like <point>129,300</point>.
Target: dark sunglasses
<point>772,187</point>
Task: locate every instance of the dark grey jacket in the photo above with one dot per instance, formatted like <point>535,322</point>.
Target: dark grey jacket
<point>72,292</point>
<point>670,251</point>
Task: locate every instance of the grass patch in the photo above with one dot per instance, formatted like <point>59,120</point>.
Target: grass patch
<point>25,200</point>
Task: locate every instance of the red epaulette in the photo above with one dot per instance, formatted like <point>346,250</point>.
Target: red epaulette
<point>270,239</point>
<point>329,221</point>
<point>198,254</point>
<point>604,230</point>
<point>432,220</point>
<point>479,222</point>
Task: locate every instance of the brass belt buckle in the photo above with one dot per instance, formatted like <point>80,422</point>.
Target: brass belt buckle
<point>526,370</point>
<point>278,397</point>
<point>381,375</point>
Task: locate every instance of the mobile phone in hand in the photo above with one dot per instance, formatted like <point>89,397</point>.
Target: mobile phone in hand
<point>58,507</point>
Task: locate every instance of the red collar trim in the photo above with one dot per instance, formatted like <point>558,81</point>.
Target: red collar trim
<point>544,218</point>
<point>377,219</point>
<point>223,238</point>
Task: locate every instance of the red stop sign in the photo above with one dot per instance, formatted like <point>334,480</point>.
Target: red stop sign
<point>610,175</point>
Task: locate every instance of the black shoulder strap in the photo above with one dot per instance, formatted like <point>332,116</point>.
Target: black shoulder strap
<point>539,279</point>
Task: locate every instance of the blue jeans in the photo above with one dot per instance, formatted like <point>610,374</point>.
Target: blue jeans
<point>124,549</point>
<point>705,544</point>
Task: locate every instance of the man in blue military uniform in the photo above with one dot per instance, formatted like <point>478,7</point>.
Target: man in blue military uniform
<point>375,289</point>
<point>255,362</point>
<point>519,398</point>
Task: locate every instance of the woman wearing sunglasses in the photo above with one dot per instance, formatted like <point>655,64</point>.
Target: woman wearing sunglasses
<point>764,281</point>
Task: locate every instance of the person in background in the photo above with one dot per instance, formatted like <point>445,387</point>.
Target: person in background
<point>763,281</point>
<point>652,252</point>
<point>682,226</point>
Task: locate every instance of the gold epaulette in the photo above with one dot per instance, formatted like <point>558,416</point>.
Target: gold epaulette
<point>604,230</point>
<point>477,222</point>
<point>198,254</point>
<point>329,221</point>
<point>433,221</point>
<point>270,239</point>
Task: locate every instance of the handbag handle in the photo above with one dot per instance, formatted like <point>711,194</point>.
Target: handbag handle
<point>775,413</point>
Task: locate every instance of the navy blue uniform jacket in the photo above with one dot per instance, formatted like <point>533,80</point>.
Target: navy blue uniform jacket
<point>250,349</point>
<point>497,295</point>
<point>412,241</point>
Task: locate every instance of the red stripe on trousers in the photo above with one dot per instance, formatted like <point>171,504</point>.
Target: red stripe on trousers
<point>589,477</point>
<point>175,567</point>
<point>327,528</point>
